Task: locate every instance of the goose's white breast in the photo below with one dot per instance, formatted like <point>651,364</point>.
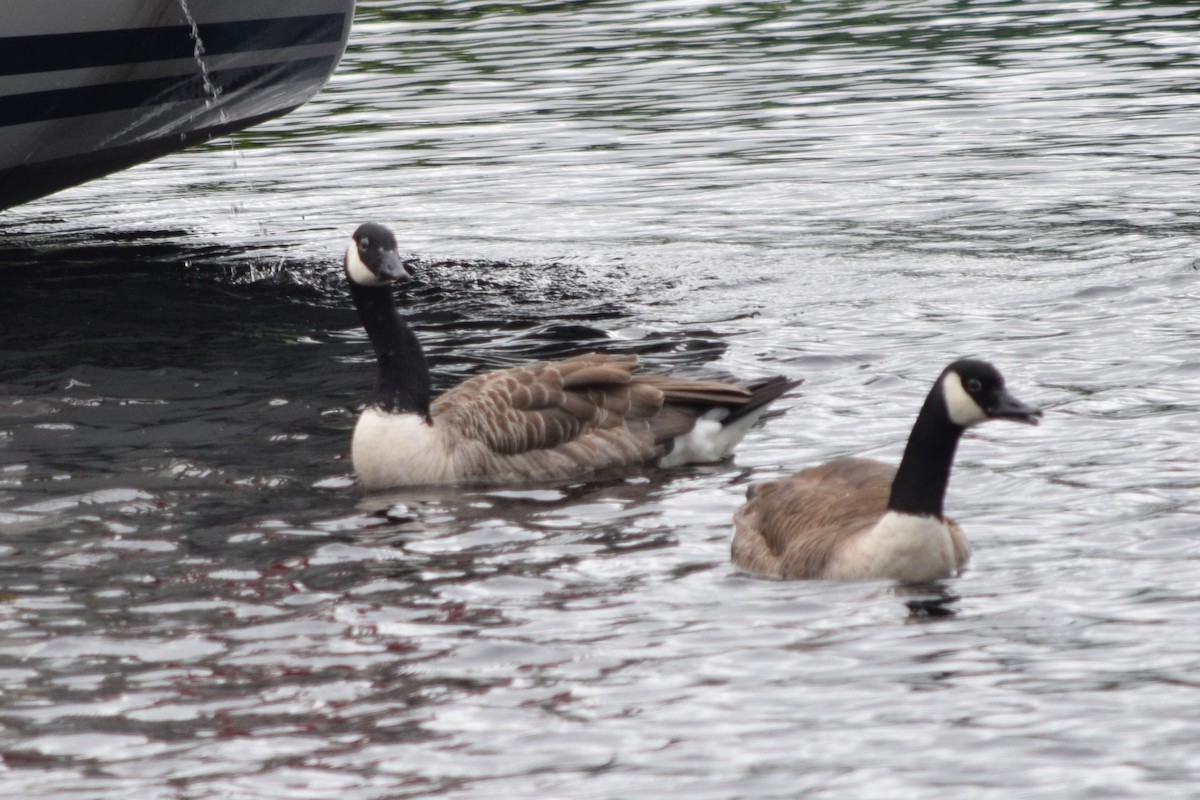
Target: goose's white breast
<point>398,450</point>
<point>904,547</point>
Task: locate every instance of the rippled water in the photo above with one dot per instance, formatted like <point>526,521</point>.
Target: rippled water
<point>198,602</point>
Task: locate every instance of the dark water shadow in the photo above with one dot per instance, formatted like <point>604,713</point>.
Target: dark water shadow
<point>928,602</point>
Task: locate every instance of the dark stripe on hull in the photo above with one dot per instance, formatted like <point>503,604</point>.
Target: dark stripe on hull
<point>53,52</point>
<point>27,182</point>
<point>77,101</point>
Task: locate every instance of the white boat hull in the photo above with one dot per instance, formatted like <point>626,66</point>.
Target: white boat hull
<point>90,88</point>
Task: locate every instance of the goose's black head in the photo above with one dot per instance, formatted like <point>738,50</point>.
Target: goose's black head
<point>372,258</point>
<point>974,391</point>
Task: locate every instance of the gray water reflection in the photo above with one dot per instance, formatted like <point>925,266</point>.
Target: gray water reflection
<point>197,602</point>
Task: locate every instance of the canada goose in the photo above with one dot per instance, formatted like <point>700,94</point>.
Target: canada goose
<point>859,518</point>
<point>552,420</point>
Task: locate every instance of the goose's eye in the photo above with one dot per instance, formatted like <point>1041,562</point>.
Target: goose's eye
<point>973,385</point>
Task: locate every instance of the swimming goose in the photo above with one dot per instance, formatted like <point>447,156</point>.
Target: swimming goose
<point>552,420</point>
<point>859,518</point>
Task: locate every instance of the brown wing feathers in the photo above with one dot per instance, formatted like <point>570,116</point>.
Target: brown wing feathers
<point>685,391</point>
<point>768,537</point>
<point>548,405</point>
<point>595,369</point>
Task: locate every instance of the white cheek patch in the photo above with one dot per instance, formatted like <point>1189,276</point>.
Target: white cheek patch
<point>963,409</point>
<point>359,272</point>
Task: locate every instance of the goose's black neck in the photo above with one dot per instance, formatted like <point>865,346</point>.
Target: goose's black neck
<point>920,483</point>
<point>403,381</point>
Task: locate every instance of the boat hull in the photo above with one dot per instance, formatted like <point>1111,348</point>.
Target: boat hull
<point>89,89</point>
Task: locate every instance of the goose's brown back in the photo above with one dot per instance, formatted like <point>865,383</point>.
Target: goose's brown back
<point>564,418</point>
<point>793,527</point>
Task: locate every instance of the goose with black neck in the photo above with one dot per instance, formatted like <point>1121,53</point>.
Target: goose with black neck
<point>855,518</point>
<point>544,421</point>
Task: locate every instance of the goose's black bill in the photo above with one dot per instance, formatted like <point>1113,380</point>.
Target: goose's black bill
<point>1008,407</point>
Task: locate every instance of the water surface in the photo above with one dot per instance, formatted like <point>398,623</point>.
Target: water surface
<point>198,602</point>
